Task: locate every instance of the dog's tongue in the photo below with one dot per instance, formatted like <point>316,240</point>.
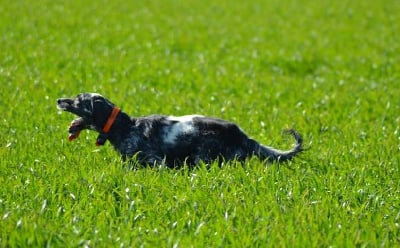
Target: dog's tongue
<point>75,129</point>
<point>73,136</point>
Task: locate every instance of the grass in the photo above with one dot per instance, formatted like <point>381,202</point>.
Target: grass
<point>328,69</point>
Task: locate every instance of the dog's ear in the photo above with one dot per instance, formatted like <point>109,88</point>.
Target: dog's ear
<point>101,110</point>
<point>102,103</point>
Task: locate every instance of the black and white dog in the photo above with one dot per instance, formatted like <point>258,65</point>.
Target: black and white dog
<point>168,140</point>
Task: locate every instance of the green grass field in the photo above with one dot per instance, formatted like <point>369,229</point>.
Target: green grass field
<point>330,69</point>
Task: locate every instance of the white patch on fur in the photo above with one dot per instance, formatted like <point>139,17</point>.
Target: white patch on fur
<point>184,118</point>
<point>94,94</point>
<point>184,125</point>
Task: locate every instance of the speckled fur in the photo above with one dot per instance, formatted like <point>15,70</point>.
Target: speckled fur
<point>170,140</point>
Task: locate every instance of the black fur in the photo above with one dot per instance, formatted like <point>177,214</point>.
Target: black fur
<point>168,140</point>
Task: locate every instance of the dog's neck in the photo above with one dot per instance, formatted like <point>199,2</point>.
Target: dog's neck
<point>119,122</point>
<point>103,135</point>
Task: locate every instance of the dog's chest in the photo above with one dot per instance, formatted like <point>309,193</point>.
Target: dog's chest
<point>129,145</point>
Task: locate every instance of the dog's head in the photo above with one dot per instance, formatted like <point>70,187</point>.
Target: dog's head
<point>93,111</point>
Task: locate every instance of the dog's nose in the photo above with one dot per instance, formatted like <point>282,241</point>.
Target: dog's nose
<point>64,100</point>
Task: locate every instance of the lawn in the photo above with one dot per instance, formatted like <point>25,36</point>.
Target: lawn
<point>329,69</point>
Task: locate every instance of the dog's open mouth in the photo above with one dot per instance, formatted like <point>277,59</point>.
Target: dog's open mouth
<point>75,128</point>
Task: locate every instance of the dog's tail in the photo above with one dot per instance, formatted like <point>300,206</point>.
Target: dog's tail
<point>275,155</point>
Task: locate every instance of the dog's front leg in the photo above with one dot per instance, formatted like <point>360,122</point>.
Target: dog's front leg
<point>149,159</point>
<point>124,158</point>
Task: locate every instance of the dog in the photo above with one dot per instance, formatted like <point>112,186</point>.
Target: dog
<point>167,140</point>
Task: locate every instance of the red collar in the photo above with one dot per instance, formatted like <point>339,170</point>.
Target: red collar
<point>111,119</point>
<point>103,135</point>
